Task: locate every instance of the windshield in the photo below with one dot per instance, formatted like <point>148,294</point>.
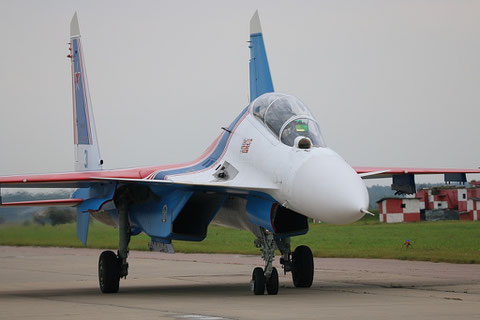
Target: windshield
<point>287,118</point>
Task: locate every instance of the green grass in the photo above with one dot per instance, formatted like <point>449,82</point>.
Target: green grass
<point>447,241</point>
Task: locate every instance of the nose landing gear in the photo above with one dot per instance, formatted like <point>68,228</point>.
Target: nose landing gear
<point>272,282</point>
<point>299,263</point>
<point>268,277</point>
<point>258,281</point>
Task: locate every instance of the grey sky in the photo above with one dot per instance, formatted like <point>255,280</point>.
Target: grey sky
<point>392,83</point>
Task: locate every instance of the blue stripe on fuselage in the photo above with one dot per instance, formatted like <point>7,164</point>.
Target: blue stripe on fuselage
<point>211,159</point>
<point>83,134</point>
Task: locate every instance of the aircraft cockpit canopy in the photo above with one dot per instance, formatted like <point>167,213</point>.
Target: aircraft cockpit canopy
<point>287,118</point>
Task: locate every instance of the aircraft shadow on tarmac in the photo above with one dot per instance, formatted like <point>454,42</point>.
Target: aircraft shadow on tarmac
<point>193,290</point>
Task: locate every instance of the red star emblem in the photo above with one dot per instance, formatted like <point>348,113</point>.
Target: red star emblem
<point>77,77</point>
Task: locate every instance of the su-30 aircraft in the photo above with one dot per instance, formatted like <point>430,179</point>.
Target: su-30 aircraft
<point>267,173</point>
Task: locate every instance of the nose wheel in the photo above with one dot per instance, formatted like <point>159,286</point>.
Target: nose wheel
<point>299,263</point>
<point>266,278</point>
<point>272,282</point>
<point>260,282</point>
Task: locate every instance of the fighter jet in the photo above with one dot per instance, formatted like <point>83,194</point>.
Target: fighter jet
<point>268,172</point>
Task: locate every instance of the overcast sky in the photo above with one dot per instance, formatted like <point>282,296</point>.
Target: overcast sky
<point>392,83</point>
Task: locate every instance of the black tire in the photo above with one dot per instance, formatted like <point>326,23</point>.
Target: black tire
<point>272,282</point>
<point>302,272</point>
<point>258,281</point>
<point>108,272</point>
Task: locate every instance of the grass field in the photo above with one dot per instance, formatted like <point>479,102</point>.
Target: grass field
<point>447,241</point>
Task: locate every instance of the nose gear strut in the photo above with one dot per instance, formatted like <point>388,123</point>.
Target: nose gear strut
<point>298,262</point>
<point>268,277</point>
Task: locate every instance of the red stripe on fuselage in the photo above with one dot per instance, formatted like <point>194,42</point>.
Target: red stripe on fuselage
<point>128,173</point>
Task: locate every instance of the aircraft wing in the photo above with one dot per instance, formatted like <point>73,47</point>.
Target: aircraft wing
<point>125,176</point>
<point>84,179</point>
<point>386,172</point>
<point>210,186</point>
<point>70,179</point>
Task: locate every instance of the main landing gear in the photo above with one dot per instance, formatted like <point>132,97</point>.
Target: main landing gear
<point>302,272</point>
<point>111,266</point>
<point>108,272</point>
<point>300,263</point>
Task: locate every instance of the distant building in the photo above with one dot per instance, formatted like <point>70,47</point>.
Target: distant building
<point>448,197</point>
<point>396,209</point>
<point>473,205</point>
<point>438,203</point>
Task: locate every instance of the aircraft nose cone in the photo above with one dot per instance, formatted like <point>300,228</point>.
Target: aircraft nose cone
<point>326,188</point>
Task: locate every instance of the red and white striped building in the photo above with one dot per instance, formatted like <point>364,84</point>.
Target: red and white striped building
<point>466,201</point>
<point>473,213</point>
<point>444,198</point>
<point>394,209</point>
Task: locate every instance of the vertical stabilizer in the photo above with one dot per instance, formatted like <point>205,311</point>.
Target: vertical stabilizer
<point>87,154</point>
<point>260,78</point>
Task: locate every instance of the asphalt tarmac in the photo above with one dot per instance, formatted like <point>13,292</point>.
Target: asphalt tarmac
<point>61,283</point>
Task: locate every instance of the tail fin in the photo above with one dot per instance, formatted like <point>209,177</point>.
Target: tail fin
<point>87,153</point>
<point>260,78</point>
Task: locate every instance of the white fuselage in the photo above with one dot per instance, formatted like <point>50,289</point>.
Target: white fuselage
<point>315,182</point>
